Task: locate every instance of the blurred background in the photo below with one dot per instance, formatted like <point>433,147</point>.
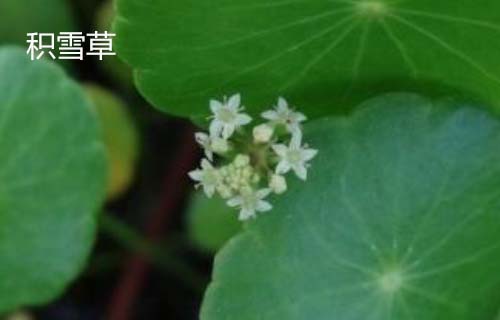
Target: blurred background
<point>153,255</point>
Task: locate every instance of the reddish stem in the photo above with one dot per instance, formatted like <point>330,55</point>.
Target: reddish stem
<point>172,192</point>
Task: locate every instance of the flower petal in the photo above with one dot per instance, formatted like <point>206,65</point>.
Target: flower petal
<point>299,117</point>
<point>308,154</point>
<point>283,167</point>
<point>215,128</point>
<point>280,149</point>
<point>209,190</point>
<point>209,154</point>
<point>215,106</point>
<point>270,115</point>
<point>246,214</point>
<point>296,140</point>
<point>300,171</point>
<point>228,131</point>
<point>282,104</point>
<point>262,193</point>
<point>205,164</point>
<point>201,137</point>
<point>263,206</point>
<point>234,102</point>
<point>234,202</point>
<point>243,119</point>
<point>296,132</point>
<point>196,175</point>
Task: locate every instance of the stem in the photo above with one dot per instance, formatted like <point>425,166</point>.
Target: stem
<point>131,240</point>
<point>173,190</point>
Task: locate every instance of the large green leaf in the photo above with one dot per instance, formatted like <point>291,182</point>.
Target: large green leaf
<point>21,17</point>
<point>399,219</point>
<point>117,69</point>
<point>120,137</point>
<point>52,179</point>
<point>325,55</point>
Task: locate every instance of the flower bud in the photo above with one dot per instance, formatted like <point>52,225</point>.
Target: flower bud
<point>224,191</point>
<point>241,160</point>
<point>277,184</point>
<point>262,133</point>
<point>219,145</point>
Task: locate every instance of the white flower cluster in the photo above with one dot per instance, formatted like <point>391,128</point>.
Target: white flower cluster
<point>253,167</point>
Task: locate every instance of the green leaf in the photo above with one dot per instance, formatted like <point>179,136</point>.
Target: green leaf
<point>324,55</point>
<point>120,137</point>
<point>52,179</point>
<point>399,219</point>
<point>117,69</point>
<point>211,222</point>
<point>22,17</point>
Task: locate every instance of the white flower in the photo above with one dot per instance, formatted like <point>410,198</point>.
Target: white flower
<point>262,133</point>
<point>211,144</point>
<point>277,184</point>
<point>219,145</point>
<point>282,114</point>
<point>294,157</point>
<point>250,202</point>
<point>208,177</point>
<point>205,142</point>
<point>226,118</point>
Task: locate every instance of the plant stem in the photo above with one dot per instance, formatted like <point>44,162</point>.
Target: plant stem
<point>131,240</point>
<point>172,192</point>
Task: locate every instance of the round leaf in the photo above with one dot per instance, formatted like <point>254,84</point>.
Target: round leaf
<point>120,137</point>
<point>52,179</point>
<point>22,17</point>
<point>324,55</point>
<point>117,69</point>
<point>399,219</point>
